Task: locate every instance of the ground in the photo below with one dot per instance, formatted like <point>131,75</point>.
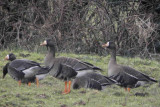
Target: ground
<point>48,94</point>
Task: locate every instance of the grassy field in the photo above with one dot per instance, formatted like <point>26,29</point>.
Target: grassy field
<point>48,94</point>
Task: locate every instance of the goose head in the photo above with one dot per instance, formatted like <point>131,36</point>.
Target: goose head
<point>109,45</point>
<point>47,42</point>
<point>10,57</point>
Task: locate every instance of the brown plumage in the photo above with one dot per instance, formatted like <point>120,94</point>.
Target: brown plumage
<point>126,76</point>
<point>75,64</point>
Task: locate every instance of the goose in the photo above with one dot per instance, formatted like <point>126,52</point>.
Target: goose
<point>82,79</point>
<point>66,73</point>
<point>9,57</point>
<point>92,80</point>
<point>51,60</point>
<point>23,70</point>
<point>126,76</point>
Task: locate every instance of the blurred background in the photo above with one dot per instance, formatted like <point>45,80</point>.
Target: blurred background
<point>82,26</point>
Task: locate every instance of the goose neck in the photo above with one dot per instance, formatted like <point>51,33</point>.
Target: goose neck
<point>13,59</point>
<point>52,50</point>
<point>50,56</point>
<point>113,57</point>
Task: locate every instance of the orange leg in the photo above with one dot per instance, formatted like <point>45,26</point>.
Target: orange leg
<point>29,84</point>
<point>65,90</point>
<point>19,82</point>
<point>37,82</point>
<point>69,88</point>
<point>128,89</point>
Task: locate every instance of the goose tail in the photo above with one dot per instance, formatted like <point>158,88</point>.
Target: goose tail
<point>149,78</point>
<point>153,80</point>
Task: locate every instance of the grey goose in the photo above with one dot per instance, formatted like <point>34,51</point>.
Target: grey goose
<point>23,70</point>
<point>126,76</point>
<point>92,80</point>
<point>51,60</point>
<point>66,73</point>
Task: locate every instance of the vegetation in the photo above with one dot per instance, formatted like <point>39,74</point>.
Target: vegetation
<point>48,94</point>
<point>81,26</point>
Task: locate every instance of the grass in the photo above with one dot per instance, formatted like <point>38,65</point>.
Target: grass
<point>48,94</point>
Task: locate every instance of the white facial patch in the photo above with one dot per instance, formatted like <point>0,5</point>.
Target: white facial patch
<point>7,57</point>
<point>45,42</point>
<point>107,44</point>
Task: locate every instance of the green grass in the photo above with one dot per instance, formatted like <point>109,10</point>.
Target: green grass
<point>48,94</point>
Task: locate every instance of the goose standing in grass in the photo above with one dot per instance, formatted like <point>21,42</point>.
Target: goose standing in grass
<point>75,64</point>
<point>66,73</point>
<point>89,79</point>
<point>126,76</point>
<point>24,71</point>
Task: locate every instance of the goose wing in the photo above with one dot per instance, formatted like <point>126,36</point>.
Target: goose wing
<point>103,80</point>
<point>141,76</point>
<point>99,81</point>
<point>86,82</point>
<point>124,79</point>
<point>93,84</point>
<point>22,64</point>
<point>88,79</point>
<point>76,64</point>
<point>43,70</point>
<point>65,72</point>
<point>32,71</point>
<point>92,66</point>
<point>14,73</point>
